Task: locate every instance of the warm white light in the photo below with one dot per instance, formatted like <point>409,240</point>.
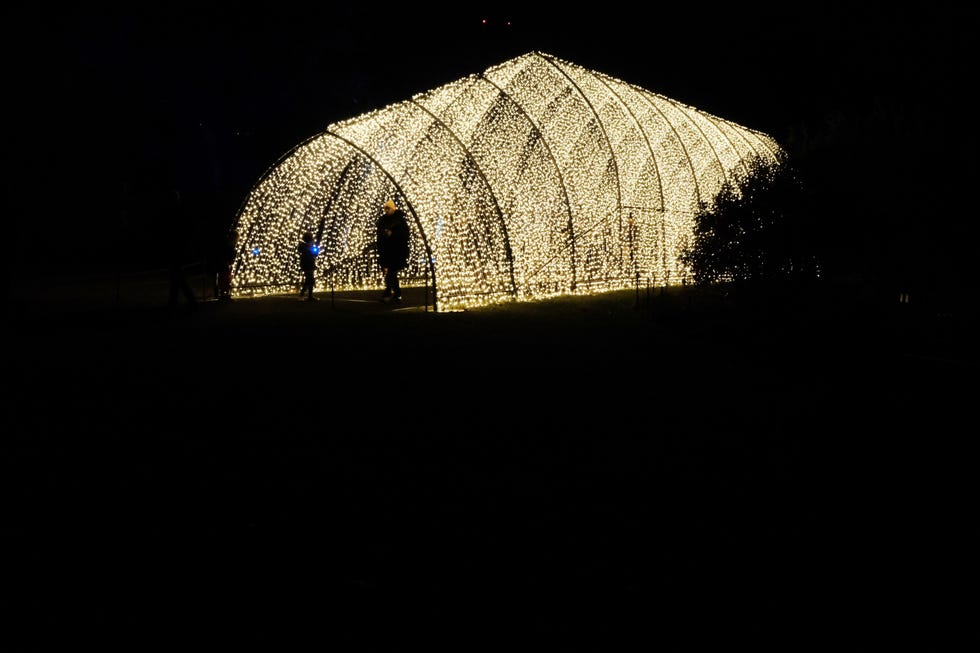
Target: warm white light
<point>533,178</point>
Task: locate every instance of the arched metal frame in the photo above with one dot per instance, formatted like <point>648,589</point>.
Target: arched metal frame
<point>496,204</point>
<point>646,137</point>
<point>602,127</point>
<point>561,178</point>
<point>687,155</point>
<point>600,91</point>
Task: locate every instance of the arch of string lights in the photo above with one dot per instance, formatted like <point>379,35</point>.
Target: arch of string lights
<point>534,178</point>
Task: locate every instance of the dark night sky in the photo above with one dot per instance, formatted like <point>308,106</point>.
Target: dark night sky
<point>207,98</point>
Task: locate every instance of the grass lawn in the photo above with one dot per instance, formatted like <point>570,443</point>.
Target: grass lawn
<point>571,474</point>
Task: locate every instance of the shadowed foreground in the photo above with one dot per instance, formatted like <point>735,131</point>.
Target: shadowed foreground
<point>572,474</point>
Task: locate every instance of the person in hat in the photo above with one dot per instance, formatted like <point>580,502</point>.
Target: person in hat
<point>393,239</point>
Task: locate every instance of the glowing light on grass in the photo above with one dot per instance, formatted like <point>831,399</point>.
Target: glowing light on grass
<point>536,177</point>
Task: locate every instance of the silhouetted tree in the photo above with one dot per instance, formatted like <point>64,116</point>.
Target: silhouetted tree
<point>757,229</point>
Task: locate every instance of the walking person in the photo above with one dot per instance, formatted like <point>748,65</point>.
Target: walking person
<point>308,251</point>
<point>393,239</point>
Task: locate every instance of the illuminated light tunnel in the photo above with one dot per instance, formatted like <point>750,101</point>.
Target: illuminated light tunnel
<point>534,178</point>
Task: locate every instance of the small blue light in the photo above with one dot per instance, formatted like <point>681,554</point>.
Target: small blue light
<point>255,251</point>
<point>315,249</point>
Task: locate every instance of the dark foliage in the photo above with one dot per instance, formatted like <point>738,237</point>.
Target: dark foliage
<point>756,230</point>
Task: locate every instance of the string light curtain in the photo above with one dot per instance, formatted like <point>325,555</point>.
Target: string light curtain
<point>534,178</point>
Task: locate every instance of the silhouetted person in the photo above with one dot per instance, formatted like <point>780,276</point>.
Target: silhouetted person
<point>393,238</point>
<point>308,251</point>
<point>177,231</point>
<point>227,259</point>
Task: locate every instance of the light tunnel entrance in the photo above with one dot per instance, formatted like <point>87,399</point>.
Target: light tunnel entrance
<point>534,178</point>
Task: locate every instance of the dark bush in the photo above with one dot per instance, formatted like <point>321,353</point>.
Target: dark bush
<point>757,230</point>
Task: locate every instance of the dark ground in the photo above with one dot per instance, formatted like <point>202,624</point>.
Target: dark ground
<point>572,475</point>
